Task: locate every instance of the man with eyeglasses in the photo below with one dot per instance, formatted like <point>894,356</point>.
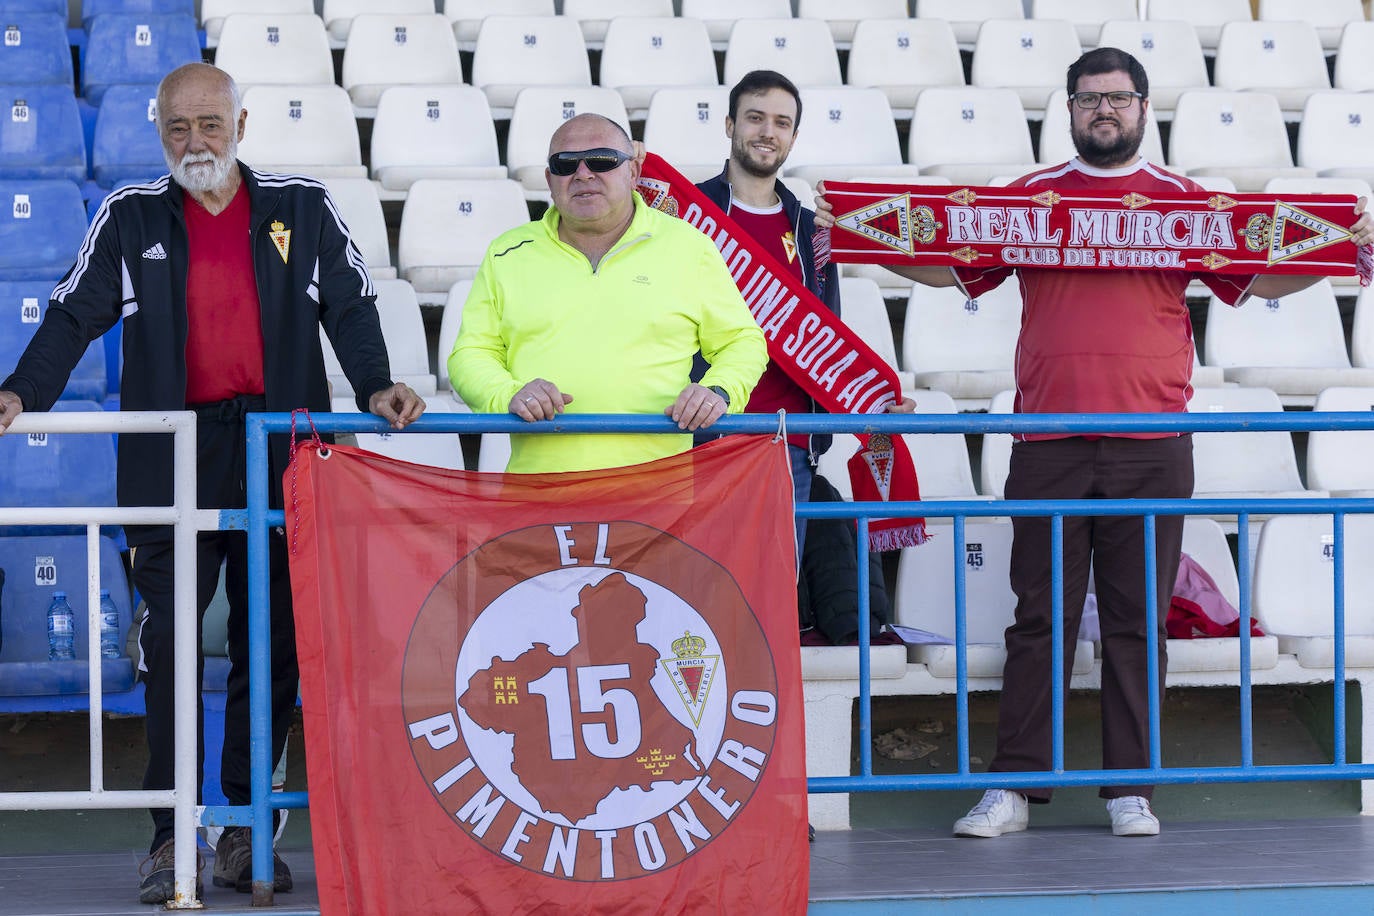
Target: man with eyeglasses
<point>1095,341</point>
<point>599,307</point>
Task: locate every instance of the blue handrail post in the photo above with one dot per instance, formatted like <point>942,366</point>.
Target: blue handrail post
<point>1152,638</point>
<point>1338,634</point>
<point>961,643</point>
<point>1057,678</point>
<point>1247,737</point>
<point>259,668</point>
<point>865,661</point>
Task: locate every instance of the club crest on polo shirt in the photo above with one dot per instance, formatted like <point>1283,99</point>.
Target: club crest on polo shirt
<point>789,245</point>
<point>281,239</point>
<point>612,707</point>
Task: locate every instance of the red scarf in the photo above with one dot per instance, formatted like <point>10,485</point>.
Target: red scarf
<point>810,343</point>
<point>1201,232</point>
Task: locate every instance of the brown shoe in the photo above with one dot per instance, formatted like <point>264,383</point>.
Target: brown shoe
<point>159,875</point>
<point>234,863</point>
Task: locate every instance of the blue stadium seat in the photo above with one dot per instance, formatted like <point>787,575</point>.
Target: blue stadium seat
<point>55,7</point>
<point>40,133</point>
<point>21,308</point>
<point>135,48</point>
<point>35,48</point>
<point>57,469</point>
<point>35,567</point>
<point>42,223</point>
<point>126,146</point>
<point>92,8</point>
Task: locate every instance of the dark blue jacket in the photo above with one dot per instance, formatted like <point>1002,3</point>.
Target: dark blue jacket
<point>826,284</point>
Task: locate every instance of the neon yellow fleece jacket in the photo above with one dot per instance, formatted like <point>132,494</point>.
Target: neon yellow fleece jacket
<point>619,338</point>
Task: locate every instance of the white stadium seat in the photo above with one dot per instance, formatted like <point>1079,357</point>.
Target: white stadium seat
<point>494,453</point>
<point>924,600</point>
<point>446,227</point>
<point>214,12</point>
<point>968,16</point>
<point>595,16</point>
<point>448,330</point>
<point>1329,17</point>
<point>396,50</point>
<point>338,15</point>
<point>687,127</point>
<point>864,311</point>
<point>1294,594</point>
<point>720,15</point>
<point>1336,136</point>
<point>903,57</point>
<point>518,51</point>
<point>800,48</point>
<point>1240,465</point>
<point>941,459</point>
<point>1238,135</point>
<point>1338,460</point>
<point>1207,17</point>
<point>1205,542</point>
<point>844,16</point>
<point>1362,334</point>
<point>361,210</point>
<point>538,112</point>
<point>1056,141</point>
<point>307,129</point>
<point>1029,57</point>
<point>1170,53</point>
<point>970,135</point>
<point>467,15</point>
<point>643,54</point>
<point>827,146</point>
<point>1294,345</point>
<point>1087,16</point>
<point>433,132</point>
<point>404,332</point>
<point>995,457</point>
<point>1352,70</point>
<point>1283,59</point>
<point>960,346</point>
<point>290,49</point>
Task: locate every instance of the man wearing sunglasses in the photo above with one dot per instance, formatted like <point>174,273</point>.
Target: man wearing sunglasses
<point>1095,341</point>
<point>599,307</point>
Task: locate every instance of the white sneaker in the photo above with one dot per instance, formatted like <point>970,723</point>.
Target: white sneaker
<point>1131,816</point>
<point>1001,811</point>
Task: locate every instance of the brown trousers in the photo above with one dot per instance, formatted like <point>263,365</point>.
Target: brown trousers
<point>1114,548</point>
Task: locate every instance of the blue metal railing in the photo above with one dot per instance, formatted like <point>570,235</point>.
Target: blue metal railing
<point>258,519</point>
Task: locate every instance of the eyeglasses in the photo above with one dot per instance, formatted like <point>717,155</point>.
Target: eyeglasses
<point>602,159</point>
<point>1090,100</point>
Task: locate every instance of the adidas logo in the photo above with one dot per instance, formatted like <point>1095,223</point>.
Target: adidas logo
<point>156,253</point>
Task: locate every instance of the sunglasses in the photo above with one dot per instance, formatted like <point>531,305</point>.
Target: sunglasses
<point>602,159</point>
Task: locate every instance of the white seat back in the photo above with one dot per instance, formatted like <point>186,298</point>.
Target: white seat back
<point>361,210</point>
<point>720,16</point>
<point>643,54</point>
<point>214,12</point>
<point>902,57</point>
<point>1168,50</point>
<point>595,16</point>
<point>1207,18</point>
<point>1336,136</point>
<point>398,50</point>
<point>957,127</point>
<point>1338,460</point>
<point>338,15</point>
<point>1352,69</point>
<point>448,329</point>
<point>1240,462</point>
<point>447,225</point>
<point>272,47</point>
<point>306,129</point>
<point>925,583</point>
<point>1027,56</point>
<point>1295,576</point>
<point>686,126</point>
<point>467,15</point>
<point>800,48</point>
<point>1302,329</point>
<point>968,16</point>
<point>843,16</point>
<point>433,132</point>
<point>513,52</point>
<point>832,117</point>
<point>1087,16</point>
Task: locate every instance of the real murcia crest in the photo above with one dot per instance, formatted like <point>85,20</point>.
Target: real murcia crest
<point>1213,261</point>
<point>1221,202</point>
<point>887,222</point>
<point>1134,201</point>
<point>1296,232</point>
<point>281,238</point>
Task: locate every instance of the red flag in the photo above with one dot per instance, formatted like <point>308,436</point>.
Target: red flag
<point>525,693</point>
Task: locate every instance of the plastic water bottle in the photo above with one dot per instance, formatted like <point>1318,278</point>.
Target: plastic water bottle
<point>109,627</point>
<point>61,629</point>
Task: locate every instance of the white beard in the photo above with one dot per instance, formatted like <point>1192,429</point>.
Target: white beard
<point>202,180</point>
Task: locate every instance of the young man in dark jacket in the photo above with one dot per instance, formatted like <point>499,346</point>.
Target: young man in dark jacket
<point>765,109</point>
<point>223,277</point>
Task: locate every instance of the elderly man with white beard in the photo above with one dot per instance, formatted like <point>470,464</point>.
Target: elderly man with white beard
<point>223,277</point>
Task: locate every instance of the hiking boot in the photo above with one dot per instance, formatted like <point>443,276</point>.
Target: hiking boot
<point>1131,816</point>
<point>159,875</point>
<point>234,863</point>
<point>1001,811</point>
